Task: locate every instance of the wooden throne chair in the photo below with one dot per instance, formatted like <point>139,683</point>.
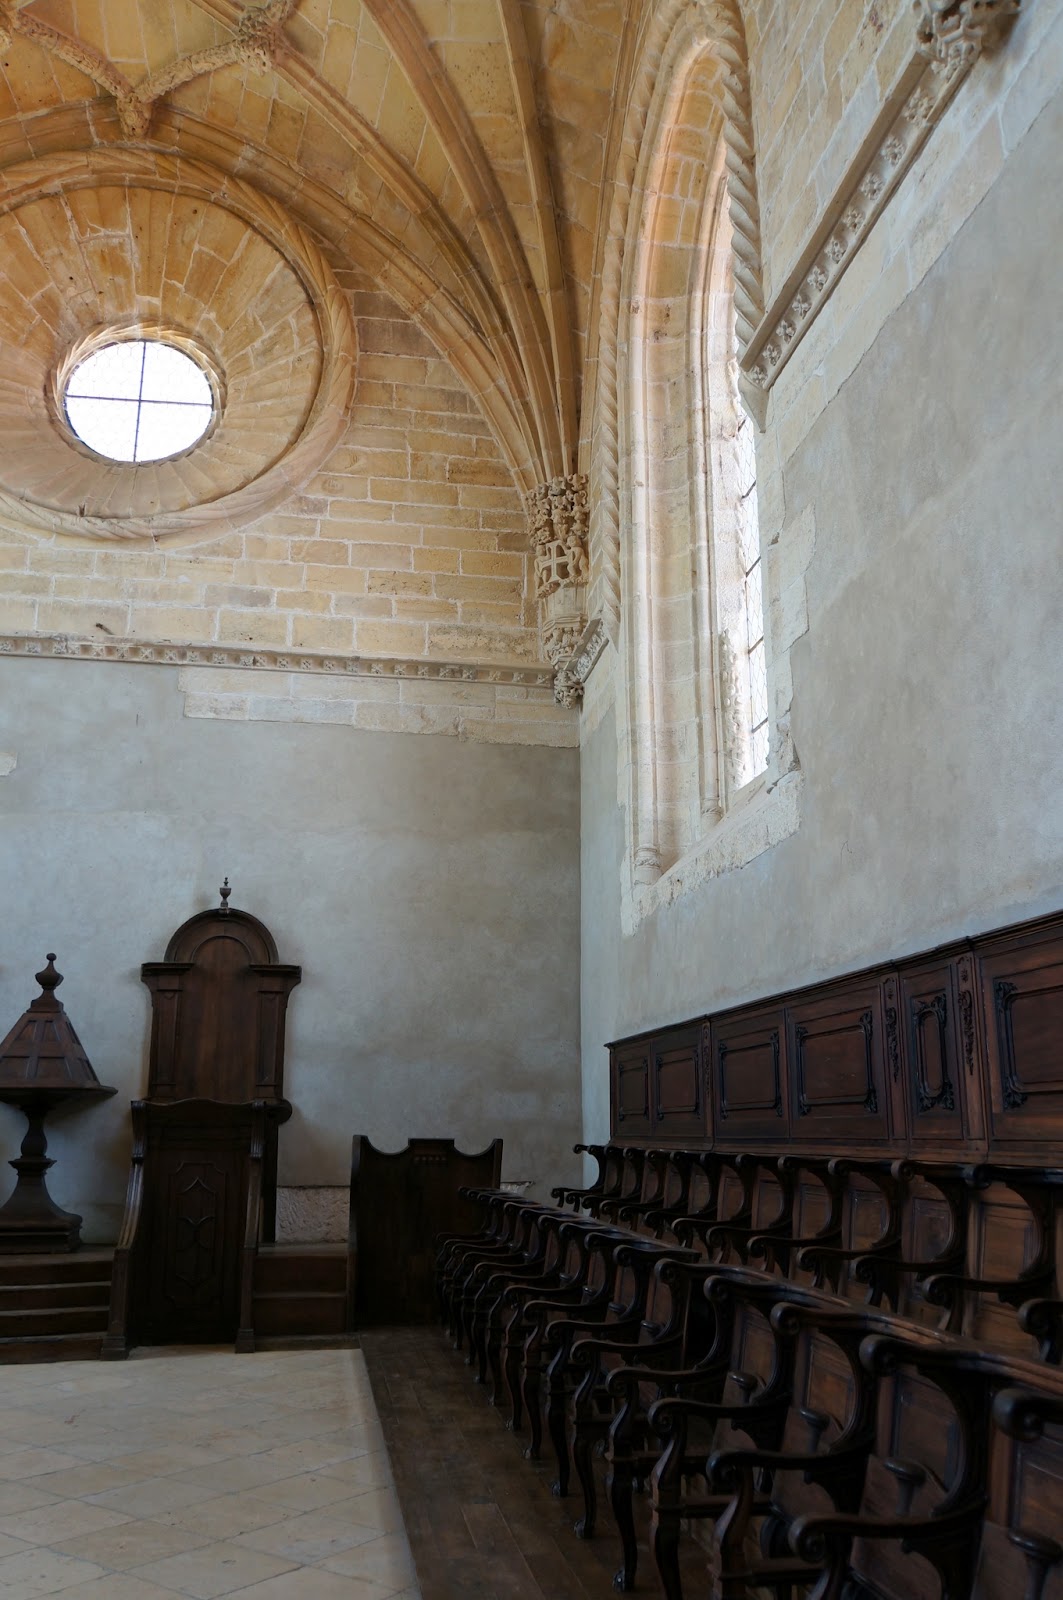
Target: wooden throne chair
<point>202,1189</point>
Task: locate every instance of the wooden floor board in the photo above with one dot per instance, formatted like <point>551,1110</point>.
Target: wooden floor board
<point>482,1522</point>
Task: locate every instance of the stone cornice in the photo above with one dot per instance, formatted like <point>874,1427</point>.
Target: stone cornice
<point>535,676</point>
<point>950,37</point>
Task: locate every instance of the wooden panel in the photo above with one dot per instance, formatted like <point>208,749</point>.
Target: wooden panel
<point>631,1090</point>
<point>399,1203</point>
<point>1022,1005</point>
<point>186,1290</point>
<point>934,1056</point>
<point>838,1080</point>
<point>677,1088</point>
<point>749,1077</point>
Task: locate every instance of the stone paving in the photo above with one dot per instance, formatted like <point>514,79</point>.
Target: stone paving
<point>198,1473</point>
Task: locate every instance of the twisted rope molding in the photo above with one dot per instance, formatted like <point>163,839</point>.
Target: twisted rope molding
<point>675,29</point>
<point>326,420</point>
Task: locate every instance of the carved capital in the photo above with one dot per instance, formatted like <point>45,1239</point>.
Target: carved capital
<point>557,523</point>
<point>953,33</point>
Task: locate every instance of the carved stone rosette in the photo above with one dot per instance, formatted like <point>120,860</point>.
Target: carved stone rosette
<point>557,524</point>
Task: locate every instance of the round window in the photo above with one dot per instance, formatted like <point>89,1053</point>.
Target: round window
<point>138,400</point>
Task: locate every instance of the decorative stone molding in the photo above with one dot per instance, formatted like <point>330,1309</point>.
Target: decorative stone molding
<point>218,655</point>
<point>258,42</point>
<point>950,37</point>
<point>557,523</point>
<point>557,517</point>
<point>575,668</point>
<point>679,30</point>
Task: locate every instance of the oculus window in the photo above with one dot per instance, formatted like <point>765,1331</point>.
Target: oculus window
<point>138,400</point>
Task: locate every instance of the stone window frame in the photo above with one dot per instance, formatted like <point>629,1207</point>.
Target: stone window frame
<point>687,819</point>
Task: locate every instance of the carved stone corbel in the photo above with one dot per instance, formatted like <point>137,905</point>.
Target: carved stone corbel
<point>557,523</point>
<point>953,33</point>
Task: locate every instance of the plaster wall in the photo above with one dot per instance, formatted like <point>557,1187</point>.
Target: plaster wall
<point>428,887</point>
<point>925,717</point>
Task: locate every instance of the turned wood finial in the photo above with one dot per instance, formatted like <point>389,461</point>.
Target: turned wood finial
<point>225,892</point>
<point>48,978</point>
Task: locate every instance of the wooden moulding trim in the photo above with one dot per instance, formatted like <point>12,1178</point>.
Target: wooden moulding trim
<point>912,110</point>
<point>532,675</point>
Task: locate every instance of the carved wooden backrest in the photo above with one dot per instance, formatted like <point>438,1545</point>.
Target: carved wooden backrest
<point>218,1009</point>
<point>399,1203</point>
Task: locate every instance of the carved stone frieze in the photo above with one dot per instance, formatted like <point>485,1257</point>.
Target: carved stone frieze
<point>950,37</point>
<point>533,676</point>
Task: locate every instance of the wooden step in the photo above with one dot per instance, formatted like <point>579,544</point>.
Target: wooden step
<point>56,1320</point>
<point>287,1269</point>
<point>299,1315</point>
<point>48,1296</point>
<point>52,1347</point>
<point>79,1266</point>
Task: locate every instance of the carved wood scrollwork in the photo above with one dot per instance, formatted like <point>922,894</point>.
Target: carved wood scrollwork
<point>926,1098</point>
<point>967,1017</point>
<point>1004,996</point>
<point>893,1048</point>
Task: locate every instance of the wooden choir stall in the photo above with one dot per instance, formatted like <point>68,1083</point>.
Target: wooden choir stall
<point>202,1192</point>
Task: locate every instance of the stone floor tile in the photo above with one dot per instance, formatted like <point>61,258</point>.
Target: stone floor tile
<point>239,1472</point>
<point>153,1495</point>
<point>361,1472</point>
<point>63,1520</point>
<point>41,1571</point>
<point>88,1477</point>
<point>132,1543</point>
<point>313,1583</point>
<point>311,1538</point>
<point>213,1570</point>
<point>226,1515</point>
<point>386,1560</point>
<point>31,1463</point>
<point>24,1497</point>
<point>116,1586</point>
<point>304,1491</point>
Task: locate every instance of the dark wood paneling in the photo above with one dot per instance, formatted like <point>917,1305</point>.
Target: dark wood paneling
<point>838,1082</point>
<point>677,1087</point>
<point>933,1057</point>
<point>631,1090</point>
<point>749,1077</point>
<point>400,1202</point>
<point>954,1051</point>
<point>1022,1007</point>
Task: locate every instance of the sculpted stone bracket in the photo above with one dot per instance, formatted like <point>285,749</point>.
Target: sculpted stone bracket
<point>258,42</point>
<point>558,523</point>
<point>950,37</point>
<point>533,676</point>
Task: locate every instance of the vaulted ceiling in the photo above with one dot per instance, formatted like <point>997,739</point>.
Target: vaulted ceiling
<point>453,150</point>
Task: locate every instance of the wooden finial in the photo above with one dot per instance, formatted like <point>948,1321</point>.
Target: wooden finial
<point>225,892</point>
<point>49,979</point>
